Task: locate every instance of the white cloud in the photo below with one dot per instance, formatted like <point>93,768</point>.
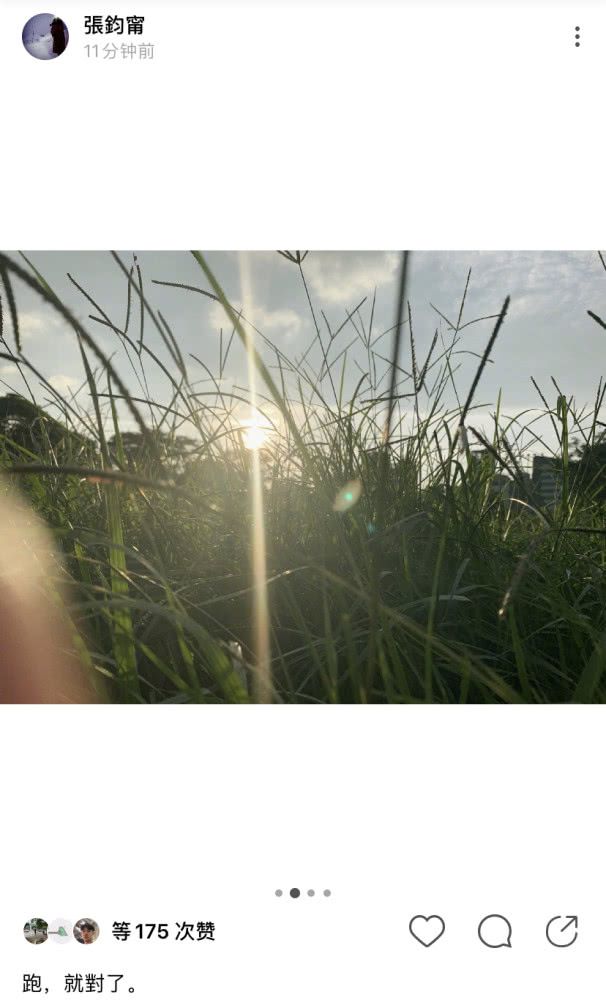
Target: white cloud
<point>35,326</point>
<point>65,383</point>
<point>541,283</point>
<point>341,278</point>
<point>286,322</point>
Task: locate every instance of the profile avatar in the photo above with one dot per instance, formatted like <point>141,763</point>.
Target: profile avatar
<point>60,931</point>
<point>45,36</point>
<point>86,931</point>
<point>36,930</point>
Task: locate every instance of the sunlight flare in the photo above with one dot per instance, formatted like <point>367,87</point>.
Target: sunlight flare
<point>254,436</point>
<point>348,496</point>
<point>255,432</point>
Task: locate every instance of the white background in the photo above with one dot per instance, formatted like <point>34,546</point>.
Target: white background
<point>329,126</point>
<point>173,814</point>
<point>449,128</point>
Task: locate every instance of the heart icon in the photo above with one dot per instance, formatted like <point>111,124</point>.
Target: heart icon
<point>427,930</point>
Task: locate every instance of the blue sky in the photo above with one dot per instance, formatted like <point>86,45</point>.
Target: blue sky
<point>547,332</point>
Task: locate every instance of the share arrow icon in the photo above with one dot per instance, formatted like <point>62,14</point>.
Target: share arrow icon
<point>562,931</point>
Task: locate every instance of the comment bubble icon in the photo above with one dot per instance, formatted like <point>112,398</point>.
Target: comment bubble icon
<point>495,931</point>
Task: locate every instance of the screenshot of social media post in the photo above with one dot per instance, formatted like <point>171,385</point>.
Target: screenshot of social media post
<point>302,552</point>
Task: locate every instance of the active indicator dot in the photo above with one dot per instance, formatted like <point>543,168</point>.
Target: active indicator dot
<point>295,893</point>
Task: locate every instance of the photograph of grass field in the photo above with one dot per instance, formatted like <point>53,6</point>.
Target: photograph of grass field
<point>310,477</point>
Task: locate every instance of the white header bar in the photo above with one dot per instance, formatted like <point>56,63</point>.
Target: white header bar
<point>251,128</point>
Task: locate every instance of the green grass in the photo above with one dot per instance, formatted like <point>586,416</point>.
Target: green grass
<point>394,573</point>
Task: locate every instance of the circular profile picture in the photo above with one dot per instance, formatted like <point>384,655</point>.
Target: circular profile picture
<point>86,931</point>
<point>35,930</point>
<point>60,930</point>
<point>45,36</point>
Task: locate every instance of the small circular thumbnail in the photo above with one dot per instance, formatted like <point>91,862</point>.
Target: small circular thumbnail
<point>45,36</point>
<point>60,930</point>
<point>35,930</point>
<point>86,931</point>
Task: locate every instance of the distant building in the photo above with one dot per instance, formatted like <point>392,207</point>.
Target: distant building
<point>523,491</point>
<point>547,478</point>
<point>544,486</point>
<point>520,488</point>
<point>500,485</point>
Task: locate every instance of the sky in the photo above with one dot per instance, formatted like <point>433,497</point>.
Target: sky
<point>547,331</point>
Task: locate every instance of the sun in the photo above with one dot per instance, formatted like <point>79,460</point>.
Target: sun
<point>255,432</point>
